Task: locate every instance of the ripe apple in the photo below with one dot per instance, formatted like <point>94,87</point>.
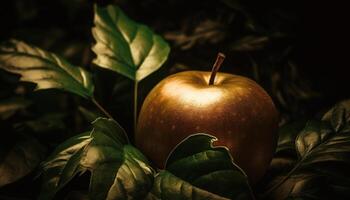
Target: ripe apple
<point>233,108</point>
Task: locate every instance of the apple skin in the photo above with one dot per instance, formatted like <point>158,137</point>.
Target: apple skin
<point>234,109</point>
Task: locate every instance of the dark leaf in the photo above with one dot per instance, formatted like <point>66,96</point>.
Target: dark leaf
<point>9,107</point>
<point>20,159</point>
<point>63,165</point>
<point>169,187</point>
<point>285,154</point>
<point>320,146</point>
<point>302,186</point>
<point>207,31</point>
<point>314,134</point>
<point>250,43</point>
<point>44,124</point>
<point>287,135</point>
<point>339,116</point>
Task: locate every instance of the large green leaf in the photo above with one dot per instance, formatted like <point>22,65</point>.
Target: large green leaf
<point>323,148</point>
<point>125,46</point>
<point>196,165</point>
<point>118,170</point>
<point>19,156</point>
<point>45,69</point>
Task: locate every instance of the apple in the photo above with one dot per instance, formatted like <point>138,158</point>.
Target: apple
<point>233,108</point>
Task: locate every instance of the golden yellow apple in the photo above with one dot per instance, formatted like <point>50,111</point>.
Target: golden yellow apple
<point>233,108</point>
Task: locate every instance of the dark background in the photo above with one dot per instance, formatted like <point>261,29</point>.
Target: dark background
<point>296,51</point>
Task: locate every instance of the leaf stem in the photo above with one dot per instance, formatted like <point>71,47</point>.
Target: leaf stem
<point>248,182</point>
<point>135,104</point>
<point>101,108</point>
<point>252,195</point>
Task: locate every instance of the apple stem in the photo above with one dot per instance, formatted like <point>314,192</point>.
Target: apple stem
<point>219,60</point>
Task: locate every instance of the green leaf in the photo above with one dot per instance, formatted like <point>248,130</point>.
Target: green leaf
<point>63,165</point>
<point>19,159</point>
<point>45,69</point>
<point>118,170</point>
<point>169,187</point>
<point>199,166</point>
<point>125,46</point>
<point>323,148</point>
<point>8,107</point>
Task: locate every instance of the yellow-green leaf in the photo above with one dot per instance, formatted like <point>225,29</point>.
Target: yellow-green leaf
<point>46,69</point>
<point>125,46</point>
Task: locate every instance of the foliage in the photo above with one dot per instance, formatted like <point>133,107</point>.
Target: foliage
<point>312,157</point>
<point>118,170</point>
<point>19,158</point>
<point>320,168</point>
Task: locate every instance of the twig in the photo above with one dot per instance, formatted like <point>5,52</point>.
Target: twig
<point>101,108</point>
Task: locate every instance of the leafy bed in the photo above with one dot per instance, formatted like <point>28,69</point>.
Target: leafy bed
<point>311,160</point>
